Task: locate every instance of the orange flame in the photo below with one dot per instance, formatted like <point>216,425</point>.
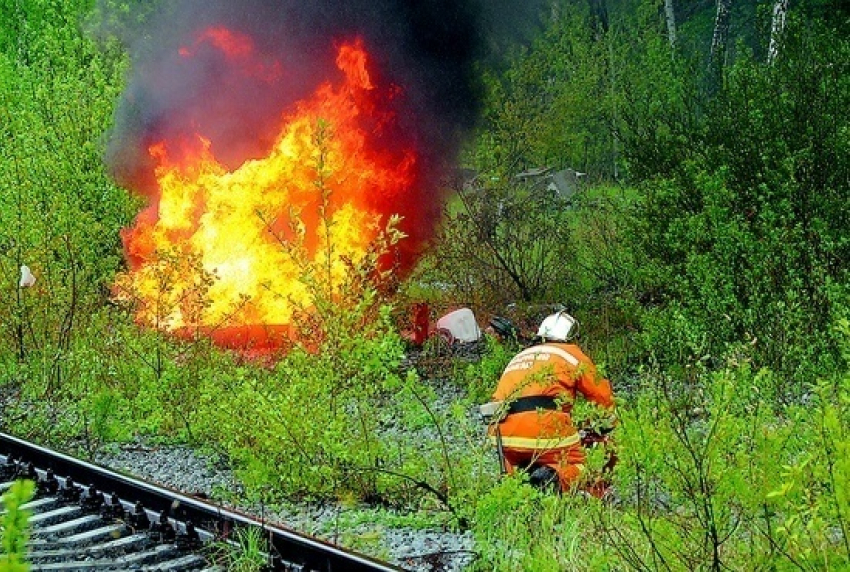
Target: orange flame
<point>221,249</point>
<point>237,48</point>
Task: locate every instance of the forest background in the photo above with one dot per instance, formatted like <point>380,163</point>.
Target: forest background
<point>705,252</point>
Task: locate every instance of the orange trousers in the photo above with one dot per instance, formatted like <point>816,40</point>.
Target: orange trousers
<point>568,462</point>
<point>542,438</point>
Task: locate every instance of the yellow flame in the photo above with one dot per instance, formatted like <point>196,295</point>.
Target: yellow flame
<point>233,247</point>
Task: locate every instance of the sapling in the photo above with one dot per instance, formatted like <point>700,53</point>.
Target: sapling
<point>14,527</point>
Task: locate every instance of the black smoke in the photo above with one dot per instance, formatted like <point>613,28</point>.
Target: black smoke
<point>431,48</point>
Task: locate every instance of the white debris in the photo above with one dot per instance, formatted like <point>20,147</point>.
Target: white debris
<point>27,278</point>
<point>461,324</point>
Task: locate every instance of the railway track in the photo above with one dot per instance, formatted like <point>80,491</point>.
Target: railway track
<point>88,518</point>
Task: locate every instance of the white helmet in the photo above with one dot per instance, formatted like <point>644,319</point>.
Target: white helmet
<point>558,327</point>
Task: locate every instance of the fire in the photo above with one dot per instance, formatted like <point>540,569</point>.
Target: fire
<point>230,250</point>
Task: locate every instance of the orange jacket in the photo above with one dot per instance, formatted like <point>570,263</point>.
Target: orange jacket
<point>555,370</point>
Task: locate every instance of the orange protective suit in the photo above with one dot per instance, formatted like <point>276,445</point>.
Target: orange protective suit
<point>546,436</point>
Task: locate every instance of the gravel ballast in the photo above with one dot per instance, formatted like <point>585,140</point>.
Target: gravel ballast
<point>414,549</point>
<point>183,469</point>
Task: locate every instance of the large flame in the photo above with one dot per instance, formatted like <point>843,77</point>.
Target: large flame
<point>238,250</point>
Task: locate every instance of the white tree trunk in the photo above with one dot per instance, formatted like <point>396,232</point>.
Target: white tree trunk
<point>721,32</point>
<point>671,22</point>
<point>780,10</point>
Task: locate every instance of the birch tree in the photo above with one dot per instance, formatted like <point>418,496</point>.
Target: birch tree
<point>780,10</point>
<point>670,15</point>
<point>721,33</point>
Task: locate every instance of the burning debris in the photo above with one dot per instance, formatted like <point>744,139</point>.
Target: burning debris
<point>270,138</point>
<point>253,229</point>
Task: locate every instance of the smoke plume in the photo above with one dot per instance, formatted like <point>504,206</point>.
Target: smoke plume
<point>210,130</point>
<point>430,48</point>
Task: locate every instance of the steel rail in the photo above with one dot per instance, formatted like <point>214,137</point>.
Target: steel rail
<point>291,551</point>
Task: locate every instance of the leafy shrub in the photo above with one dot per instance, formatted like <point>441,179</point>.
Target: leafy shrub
<point>812,500</point>
<point>340,422</point>
<point>480,378</point>
<point>812,503</point>
<point>699,477</point>
<point>554,105</point>
<point>746,237</point>
<point>14,527</point>
<point>504,242</point>
<point>59,214</point>
<point>516,527</point>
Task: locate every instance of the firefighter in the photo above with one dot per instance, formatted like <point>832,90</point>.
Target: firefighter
<point>533,428</point>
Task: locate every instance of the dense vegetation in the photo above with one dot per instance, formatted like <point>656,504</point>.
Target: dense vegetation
<point>14,526</point>
<point>706,254</point>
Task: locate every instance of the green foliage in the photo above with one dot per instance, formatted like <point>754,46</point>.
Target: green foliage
<point>695,467</point>
<point>813,495</point>
<point>14,527</point>
<point>659,89</point>
<point>699,477</point>
<point>519,528</point>
<point>551,106</point>
<point>265,430</point>
<point>247,551</point>
<point>505,242</point>
<point>750,238</point>
<point>480,378</point>
<point>59,214</point>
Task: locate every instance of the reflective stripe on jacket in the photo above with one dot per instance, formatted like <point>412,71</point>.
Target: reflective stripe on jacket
<point>554,370</point>
<point>538,444</point>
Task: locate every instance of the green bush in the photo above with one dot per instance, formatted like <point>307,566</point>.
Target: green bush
<point>517,527</point>
<point>338,422</point>
<point>748,238</point>
<point>701,476</point>
<point>555,103</point>
<point>59,213</point>
<point>480,378</point>
<point>710,476</point>
<point>14,527</point>
<point>503,242</point>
